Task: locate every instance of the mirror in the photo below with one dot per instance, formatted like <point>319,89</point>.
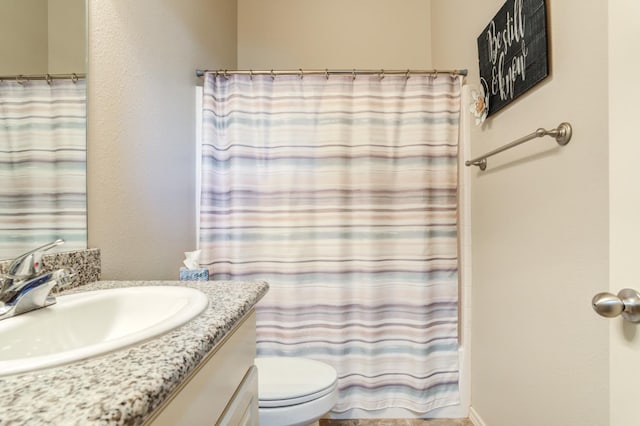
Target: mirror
<point>42,124</point>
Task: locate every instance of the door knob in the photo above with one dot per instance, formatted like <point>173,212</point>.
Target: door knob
<point>626,303</point>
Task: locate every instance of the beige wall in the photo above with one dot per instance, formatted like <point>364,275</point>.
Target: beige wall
<point>141,153</point>
<point>540,226</point>
<point>23,37</point>
<point>292,34</point>
<point>67,28</point>
<point>141,110</point>
<point>540,216</point>
<point>42,36</point>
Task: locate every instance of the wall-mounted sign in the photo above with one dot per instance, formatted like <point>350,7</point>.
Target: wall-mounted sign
<point>512,52</point>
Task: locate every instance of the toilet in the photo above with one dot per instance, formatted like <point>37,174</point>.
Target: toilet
<point>294,391</point>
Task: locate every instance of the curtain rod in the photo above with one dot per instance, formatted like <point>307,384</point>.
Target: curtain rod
<point>354,72</point>
<point>48,77</point>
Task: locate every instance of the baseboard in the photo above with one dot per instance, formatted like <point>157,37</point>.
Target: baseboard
<point>475,418</point>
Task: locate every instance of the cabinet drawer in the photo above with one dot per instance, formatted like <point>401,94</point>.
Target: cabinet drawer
<point>243,408</point>
<point>204,395</point>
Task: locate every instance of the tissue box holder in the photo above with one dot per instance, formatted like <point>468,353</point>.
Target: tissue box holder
<point>200,274</point>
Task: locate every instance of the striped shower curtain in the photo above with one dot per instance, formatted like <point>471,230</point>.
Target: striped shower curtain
<point>42,165</point>
<point>342,194</point>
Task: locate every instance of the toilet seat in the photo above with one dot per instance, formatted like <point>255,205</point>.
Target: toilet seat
<point>287,381</point>
<point>298,415</point>
<point>294,391</point>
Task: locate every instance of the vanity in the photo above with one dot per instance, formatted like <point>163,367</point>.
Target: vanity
<point>199,373</point>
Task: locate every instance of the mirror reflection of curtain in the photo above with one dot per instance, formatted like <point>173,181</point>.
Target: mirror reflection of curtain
<point>342,194</point>
<point>42,164</point>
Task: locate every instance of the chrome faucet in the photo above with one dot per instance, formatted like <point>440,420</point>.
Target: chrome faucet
<point>24,287</point>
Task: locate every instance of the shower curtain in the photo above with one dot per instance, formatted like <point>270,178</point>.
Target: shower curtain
<point>42,166</point>
<point>342,194</point>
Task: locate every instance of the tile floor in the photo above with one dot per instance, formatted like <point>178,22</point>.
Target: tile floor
<point>397,422</point>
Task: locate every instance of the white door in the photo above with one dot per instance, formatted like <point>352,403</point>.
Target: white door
<point>624,188</point>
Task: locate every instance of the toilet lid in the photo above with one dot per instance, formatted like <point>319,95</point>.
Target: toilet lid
<point>286,381</point>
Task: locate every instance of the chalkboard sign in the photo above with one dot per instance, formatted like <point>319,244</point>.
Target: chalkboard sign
<point>512,52</point>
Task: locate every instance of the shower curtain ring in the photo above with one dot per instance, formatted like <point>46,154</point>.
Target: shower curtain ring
<point>381,75</point>
<point>407,75</point>
<point>20,79</point>
<point>301,74</point>
<point>326,73</point>
<point>354,74</point>
<point>226,75</point>
<point>74,78</point>
<point>273,75</point>
<point>48,79</point>
<point>251,75</point>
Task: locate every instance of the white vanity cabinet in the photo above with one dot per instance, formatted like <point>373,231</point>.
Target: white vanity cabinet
<point>222,390</point>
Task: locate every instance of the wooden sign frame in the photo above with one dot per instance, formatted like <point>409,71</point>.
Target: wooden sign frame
<point>513,52</point>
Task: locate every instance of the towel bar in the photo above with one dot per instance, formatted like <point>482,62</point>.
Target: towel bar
<point>562,135</point>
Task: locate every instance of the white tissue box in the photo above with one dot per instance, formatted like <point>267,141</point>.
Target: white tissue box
<point>200,274</point>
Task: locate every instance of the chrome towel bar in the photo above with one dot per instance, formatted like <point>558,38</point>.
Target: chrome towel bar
<point>562,135</point>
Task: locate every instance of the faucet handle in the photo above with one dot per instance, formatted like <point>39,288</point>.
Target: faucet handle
<point>36,262</point>
<point>30,263</point>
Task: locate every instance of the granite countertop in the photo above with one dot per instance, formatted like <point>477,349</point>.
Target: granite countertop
<point>125,386</point>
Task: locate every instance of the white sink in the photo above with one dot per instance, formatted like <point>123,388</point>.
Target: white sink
<point>84,325</point>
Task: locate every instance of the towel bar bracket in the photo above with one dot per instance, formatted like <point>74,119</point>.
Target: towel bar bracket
<point>562,134</point>
<point>482,164</point>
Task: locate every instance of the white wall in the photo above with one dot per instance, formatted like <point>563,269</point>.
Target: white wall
<point>290,34</point>
<point>141,158</point>
<point>539,226</point>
